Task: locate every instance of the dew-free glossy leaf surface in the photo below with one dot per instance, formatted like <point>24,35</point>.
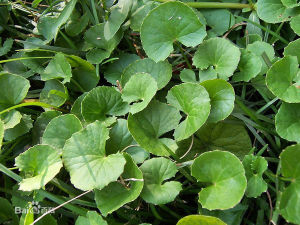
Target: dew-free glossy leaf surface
<point>115,195</point>
<point>226,177</point>
<point>40,164</point>
<point>91,218</point>
<point>295,24</point>
<point>290,201</point>
<point>293,49</point>
<point>149,125</point>
<point>200,220</point>
<point>287,122</point>
<point>13,89</point>
<point>222,96</point>
<point>160,71</point>
<point>47,94</point>
<point>194,101</point>
<point>220,53</point>
<point>6,46</point>
<point>171,21</point>
<point>102,102</point>
<point>155,172</point>
<point>283,79</point>
<point>11,119</point>
<point>255,166</point>
<point>85,158</point>
<point>61,129</point>
<point>188,75</point>
<point>20,129</point>
<point>139,91</point>
<point>272,11</point>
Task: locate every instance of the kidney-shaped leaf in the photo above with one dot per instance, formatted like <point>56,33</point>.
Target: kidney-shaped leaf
<point>155,172</point>
<point>171,21</point>
<point>13,89</point>
<point>149,125</point>
<point>255,166</point>
<point>290,200</point>
<point>40,164</point>
<point>225,176</point>
<point>200,220</point>
<point>101,102</point>
<point>61,129</point>
<point>220,53</point>
<point>117,194</point>
<point>283,79</point>
<point>287,122</point>
<point>194,101</point>
<point>160,71</point>
<point>139,91</point>
<point>222,96</point>
<point>85,158</point>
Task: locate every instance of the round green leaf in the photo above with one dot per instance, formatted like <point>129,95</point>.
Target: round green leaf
<point>287,122</point>
<point>194,101</point>
<point>171,21</point>
<point>249,66</point>
<point>61,129</point>
<point>40,164</point>
<point>225,176</point>
<point>200,220</point>
<point>101,102</point>
<point>115,195</point>
<point>77,23</point>
<point>155,172</point>
<point>139,91</point>
<point>11,119</point>
<point>290,200</point>
<point>255,166</point>
<point>283,79</point>
<point>293,49</point>
<point>20,129</point>
<point>76,107</point>
<point>91,218</point>
<point>47,94</point>
<point>149,125</point>
<point>295,24</point>
<point>290,3</point>
<point>85,158</point>
<point>225,135</point>
<point>219,53</point>
<point>188,75</point>
<point>222,96</point>
<point>160,71</point>
<point>13,89</point>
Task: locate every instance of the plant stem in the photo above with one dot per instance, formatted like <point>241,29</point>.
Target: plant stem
<point>216,5</point>
<point>184,56</point>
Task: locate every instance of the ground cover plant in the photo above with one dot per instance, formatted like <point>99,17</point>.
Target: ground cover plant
<point>149,112</point>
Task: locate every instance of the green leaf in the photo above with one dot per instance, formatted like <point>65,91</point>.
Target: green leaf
<point>77,107</point>
<point>282,79</point>
<point>77,23</point>
<point>49,26</point>
<point>201,220</point>
<point>11,119</point>
<point>1,132</point>
<point>187,75</point>
<point>40,164</point>
<point>260,47</point>
<point>272,11</point>
<point>102,102</point>
<point>251,28</point>
<point>58,68</point>
<point>7,213</point>
<point>160,71</point>
<point>194,101</point>
<point>97,55</point>
<point>293,49</point>
<point>155,172</point>
<point>114,71</point>
<point>290,3</point>
<point>40,125</point>
<point>13,89</point>
<point>225,176</point>
<point>289,204</point>
<point>6,46</point>
<point>85,158</point>
<point>219,53</point>
<point>116,194</point>
<point>171,21</point>
<point>91,218</point>
<point>255,166</point>
<point>220,20</point>
<point>225,135</point>
<point>60,129</point>
<point>52,99</point>
<point>149,125</point>
<point>295,24</point>
<point>139,91</point>
<point>222,96</point>
<point>287,122</point>
<point>118,14</point>
<point>249,66</point>
<point>20,129</point>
